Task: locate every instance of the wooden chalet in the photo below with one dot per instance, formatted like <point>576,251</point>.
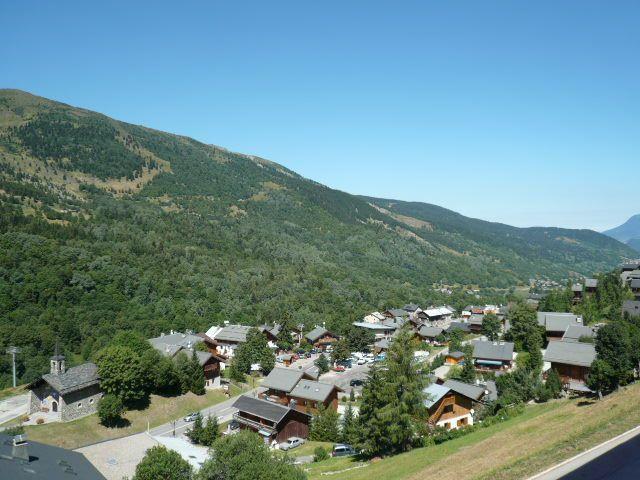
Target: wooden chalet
<point>174,343</point>
<point>556,323</point>
<point>572,361</point>
<point>299,390</point>
<point>631,308</point>
<point>454,358</point>
<point>321,338</point>
<point>272,421</point>
<point>451,404</point>
<point>590,285</point>
<point>492,356</point>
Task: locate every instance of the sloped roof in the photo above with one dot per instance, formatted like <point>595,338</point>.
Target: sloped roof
<point>591,282</point>
<point>430,332</point>
<point>316,333</point>
<point>410,307</point>
<point>455,354</point>
<point>437,312</point>
<point>458,325</point>
<point>46,463</point>
<point>635,283</point>
<point>502,351</point>
<point>632,307</point>
<point>75,378</point>
<point>382,344</point>
<point>283,379</point>
<point>375,326</point>
<point>571,353</point>
<point>476,319</point>
<point>273,412</point>
<point>434,394</point>
<point>557,321</point>
<point>575,332</point>
<point>397,312</point>
<point>232,333</point>
<point>474,392</point>
<point>312,390</point>
<point>186,340</point>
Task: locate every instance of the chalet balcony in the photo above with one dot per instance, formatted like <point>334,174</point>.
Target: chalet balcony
<point>253,425</point>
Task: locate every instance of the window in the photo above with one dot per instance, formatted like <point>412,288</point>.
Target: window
<point>91,401</point>
<point>79,404</point>
<point>448,409</point>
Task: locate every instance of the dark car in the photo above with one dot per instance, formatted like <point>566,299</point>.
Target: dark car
<point>356,382</point>
<point>343,450</point>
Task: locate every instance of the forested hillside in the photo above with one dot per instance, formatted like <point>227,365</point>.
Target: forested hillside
<point>107,226</point>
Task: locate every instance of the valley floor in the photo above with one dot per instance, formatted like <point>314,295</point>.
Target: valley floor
<point>541,437</point>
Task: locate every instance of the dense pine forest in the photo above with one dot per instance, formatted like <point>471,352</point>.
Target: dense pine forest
<point>107,226</point>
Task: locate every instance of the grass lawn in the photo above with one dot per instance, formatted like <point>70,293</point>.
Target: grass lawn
<point>307,449</point>
<point>10,392</point>
<point>88,430</point>
<point>522,446</point>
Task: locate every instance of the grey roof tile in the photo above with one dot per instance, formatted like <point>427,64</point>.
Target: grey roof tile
<point>261,408</point>
<point>75,378</point>
<point>312,390</point>
<point>283,379</point>
<point>570,353</point>
<point>502,351</point>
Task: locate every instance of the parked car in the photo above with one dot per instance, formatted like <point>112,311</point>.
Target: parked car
<point>345,363</point>
<point>191,417</point>
<point>356,382</point>
<point>290,443</point>
<point>343,450</point>
<point>339,368</point>
<point>362,361</point>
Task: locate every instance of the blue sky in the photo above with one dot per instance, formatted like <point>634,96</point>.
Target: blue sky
<point>524,113</point>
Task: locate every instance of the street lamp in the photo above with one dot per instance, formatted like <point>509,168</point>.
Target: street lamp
<point>13,351</point>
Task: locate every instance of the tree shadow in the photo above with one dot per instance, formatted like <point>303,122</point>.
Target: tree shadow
<point>119,423</point>
<point>141,404</point>
<point>586,403</point>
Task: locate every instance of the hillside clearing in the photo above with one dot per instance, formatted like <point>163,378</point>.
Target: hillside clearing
<point>522,446</point>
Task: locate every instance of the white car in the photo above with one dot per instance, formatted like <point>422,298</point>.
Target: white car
<point>290,443</point>
<point>362,361</point>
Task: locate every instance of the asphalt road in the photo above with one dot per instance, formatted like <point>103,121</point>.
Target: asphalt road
<point>223,410</point>
<point>616,459</point>
<point>620,463</point>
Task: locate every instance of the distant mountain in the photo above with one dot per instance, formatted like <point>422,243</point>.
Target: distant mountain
<point>106,226</point>
<point>628,232</point>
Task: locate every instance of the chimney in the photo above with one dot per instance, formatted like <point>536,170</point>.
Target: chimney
<point>292,403</point>
<point>20,449</point>
<point>162,334</point>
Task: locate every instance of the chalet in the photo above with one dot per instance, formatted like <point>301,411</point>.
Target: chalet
<point>458,326</point>
<point>175,343</point>
<point>631,308</point>
<point>430,334</point>
<point>299,390</point>
<point>493,355</point>
<point>556,323</point>
<point>630,266</point>
<point>590,285</point>
<point>395,312</point>
<point>454,358</point>
<point>272,421</point>
<point>635,287</point>
<point>65,395</point>
<point>576,290</point>
<point>576,333</point>
<point>272,333</point>
<point>24,459</point>
<point>451,404</point>
<point>475,323</point>
<point>381,345</point>
<point>228,338</point>
<point>375,317</point>
<point>438,314</point>
<point>321,338</point>
<point>572,361</point>
<point>628,277</point>
<point>410,307</point>
<point>380,330</point>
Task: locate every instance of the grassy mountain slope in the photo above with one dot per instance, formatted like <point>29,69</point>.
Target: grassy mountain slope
<point>628,232</point>
<point>106,225</point>
<point>555,250</point>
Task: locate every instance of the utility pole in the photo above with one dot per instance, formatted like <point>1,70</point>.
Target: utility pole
<point>13,351</point>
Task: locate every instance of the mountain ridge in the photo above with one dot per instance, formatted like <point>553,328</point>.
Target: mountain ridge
<point>627,233</point>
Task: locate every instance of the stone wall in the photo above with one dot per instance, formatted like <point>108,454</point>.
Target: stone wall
<point>80,403</point>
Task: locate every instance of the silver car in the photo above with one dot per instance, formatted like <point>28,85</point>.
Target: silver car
<point>291,442</point>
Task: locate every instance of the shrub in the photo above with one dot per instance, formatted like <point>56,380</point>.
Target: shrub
<point>110,409</point>
<point>40,421</point>
<point>320,454</point>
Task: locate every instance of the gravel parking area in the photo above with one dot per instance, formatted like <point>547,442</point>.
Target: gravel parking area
<point>118,458</point>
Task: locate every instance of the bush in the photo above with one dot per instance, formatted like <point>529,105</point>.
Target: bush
<point>40,421</point>
<point>320,454</point>
<point>159,462</point>
<point>110,409</point>
<point>13,431</point>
